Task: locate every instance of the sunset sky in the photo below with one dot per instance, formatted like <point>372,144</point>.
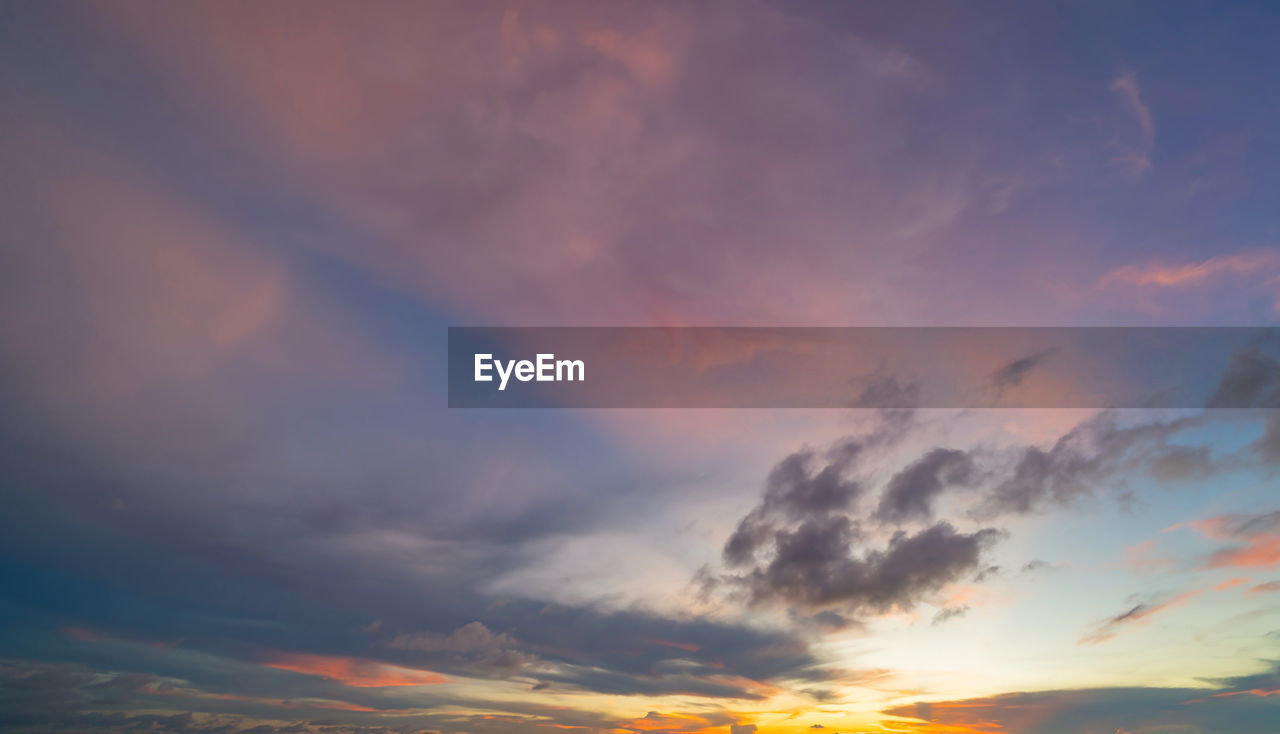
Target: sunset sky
<point>233,497</point>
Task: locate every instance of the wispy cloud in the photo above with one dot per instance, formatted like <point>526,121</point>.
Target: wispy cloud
<point>356,672</point>
<point>1269,587</point>
<point>1138,614</point>
<point>1135,154</point>
<point>1255,540</point>
<point>1144,558</point>
<point>1172,275</point>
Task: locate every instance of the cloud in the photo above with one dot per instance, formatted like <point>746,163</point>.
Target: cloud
<point>1251,380</point>
<point>1230,706</point>
<point>1270,587</point>
<point>1164,275</point>
<point>537,113</point>
<point>473,637</point>
<point>801,485</point>
<point>1268,445</point>
<point>804,547</point>
<point>1144,559</point>
<point>1080,462</point>
<point>807,545</point>
<point>1181,463</point>
<point>1188,286</point>
<point>1135,155</point>
<point>1255,540</point>
<point>1011,375</point>
<point>472,641</point>
<point>1138,614</point>
<point>911,492</point>
<point>356,672</point>
<point>815,564</point>
<point>1141,614</point>
<point>949,613</point>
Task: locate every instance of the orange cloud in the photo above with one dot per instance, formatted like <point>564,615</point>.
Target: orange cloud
<point>1143,557</point>
<point>1259,552</point>
<point>1165,275</point>
<point>1231,584</point>
<point>1261,692</point>
<point>356,672</point>
<point>1256,538</point>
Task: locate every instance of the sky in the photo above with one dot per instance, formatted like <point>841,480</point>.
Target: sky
<point>234,497</point>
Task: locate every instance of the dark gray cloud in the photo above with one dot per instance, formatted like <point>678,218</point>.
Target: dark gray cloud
<point>819,563</point>
<point>809,544</point>
<point>1011,375</point>
<point>802,485</point>
<point>270,579</point>
<point>1138,613</point>
<point>1089,457</point>
<point>911,492</point>
<point>1251,525</point>
<point>1268,445</point>
<point>1251,380</point>
<point>888,392</point>
<point>1232,706</point>
<point>803,547</point>
<point>948,613</point>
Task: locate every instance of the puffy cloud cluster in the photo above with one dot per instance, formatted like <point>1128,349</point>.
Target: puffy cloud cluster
<point>804,545</point>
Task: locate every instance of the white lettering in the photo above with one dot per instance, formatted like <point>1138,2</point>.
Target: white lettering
<point>546,368</point>
<point>504,375</point>
<point>524,370</point>
<point>483,363</point>
<point>569,365</point>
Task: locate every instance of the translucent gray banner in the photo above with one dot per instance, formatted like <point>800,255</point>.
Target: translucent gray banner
<point>864,367</point>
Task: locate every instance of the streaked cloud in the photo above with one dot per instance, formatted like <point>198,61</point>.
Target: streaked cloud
<point>1254,540</point>
<point>1190,274</point>
<point>352,671</point>
<point>1137,615</point>
<point>1135,155</point>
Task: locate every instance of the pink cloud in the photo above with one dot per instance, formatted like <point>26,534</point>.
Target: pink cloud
<point>1255,540</point>
<point>1144,559</point>
<point>1168,275</point>
<point>1269,587</point>
<point>356,672</point>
